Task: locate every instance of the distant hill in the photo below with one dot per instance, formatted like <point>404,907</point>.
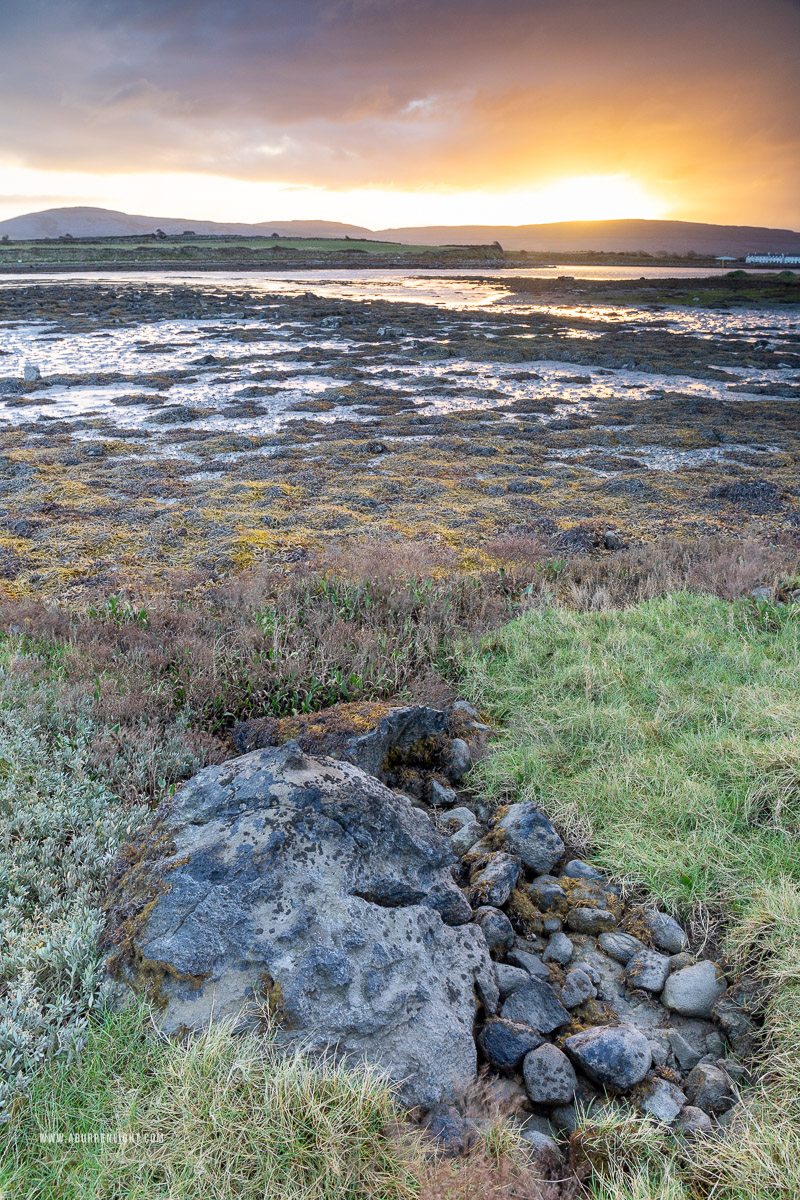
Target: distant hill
<point>653,237</point>
<point>105,222</point>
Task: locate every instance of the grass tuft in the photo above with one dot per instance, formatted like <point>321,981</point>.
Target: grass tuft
<point>224,1115</point>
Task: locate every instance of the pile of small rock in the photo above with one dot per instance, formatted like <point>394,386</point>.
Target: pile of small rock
<point>416,930</point>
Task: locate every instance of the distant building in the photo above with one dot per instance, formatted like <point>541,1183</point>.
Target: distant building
<point>774,260</point>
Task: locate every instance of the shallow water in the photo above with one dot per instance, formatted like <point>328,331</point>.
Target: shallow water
<point>128,377</point>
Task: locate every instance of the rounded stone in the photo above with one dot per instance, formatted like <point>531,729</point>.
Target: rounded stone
<point>614,1056</point>
<point>709,1088</point>
<point>528,833</point>
<point>576,868</point>
<point>577,988</point>
<point>496,927</point>
<point>591,920</point>
<point>647,969</point>
<point>558,949</point>
<point>694,991</point>
<point>505,1043</point>
<point>620,946</point>
<point>692,1121</point>
<point>548,895</point>
<point>549,1076</point>
<point>666,933</point>
<point>458,759</point>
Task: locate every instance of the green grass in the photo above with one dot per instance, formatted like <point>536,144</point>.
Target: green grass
<point>142,1118</point>
<point>665,738</point>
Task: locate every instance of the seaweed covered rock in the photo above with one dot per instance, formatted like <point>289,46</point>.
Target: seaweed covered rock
<point>308,883</point>
<point>406,747</point>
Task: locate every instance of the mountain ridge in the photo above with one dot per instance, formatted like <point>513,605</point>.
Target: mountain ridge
<point>623,235</point>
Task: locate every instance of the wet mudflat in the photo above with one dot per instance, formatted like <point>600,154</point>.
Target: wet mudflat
<point>203,424</point>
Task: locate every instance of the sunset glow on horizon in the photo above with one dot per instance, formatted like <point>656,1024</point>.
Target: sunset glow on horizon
<point>388,115</point>
<point>216,198</point>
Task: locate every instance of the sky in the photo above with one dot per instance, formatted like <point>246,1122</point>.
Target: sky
<point>402,112</point>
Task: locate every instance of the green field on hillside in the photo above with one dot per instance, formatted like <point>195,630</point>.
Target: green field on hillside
<point>203,249</point>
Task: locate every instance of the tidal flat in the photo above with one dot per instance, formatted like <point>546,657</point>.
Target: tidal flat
<point>154,425</point>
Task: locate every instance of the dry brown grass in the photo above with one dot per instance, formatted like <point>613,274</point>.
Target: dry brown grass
<point>160,678</point>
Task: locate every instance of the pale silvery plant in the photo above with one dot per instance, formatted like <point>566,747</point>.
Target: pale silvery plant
<point>59,832</point>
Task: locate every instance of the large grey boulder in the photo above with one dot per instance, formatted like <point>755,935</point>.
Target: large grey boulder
<point>526,832</point>
<point>307,883</point>
<point>615,1056</point>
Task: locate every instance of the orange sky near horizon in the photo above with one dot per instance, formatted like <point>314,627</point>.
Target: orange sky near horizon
<point>385,114</point>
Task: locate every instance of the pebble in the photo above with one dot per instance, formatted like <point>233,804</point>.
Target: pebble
<point>662,1100</point>
<point>459,758</point>
<point>537,1005</point>
<point>692,1121</point>
<point>455,819</point>
<point>576,868</point>
<point>547,894</point>
<point>709,1088</point>
<point>465,838</point>
<point>529,962</point>
<point>666,933</point>
<point>528,833</point>
<point>686,1054</point>
<point>495,882</point>
<point>505,1042</point>
<point>577,988</point>
<point>441,796</point>
<point>509,979</point>
<point>496,927</point>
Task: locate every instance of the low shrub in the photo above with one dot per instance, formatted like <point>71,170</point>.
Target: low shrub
<point>59,831</point>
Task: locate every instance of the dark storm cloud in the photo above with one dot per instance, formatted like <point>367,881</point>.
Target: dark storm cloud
<point>466,93</point>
